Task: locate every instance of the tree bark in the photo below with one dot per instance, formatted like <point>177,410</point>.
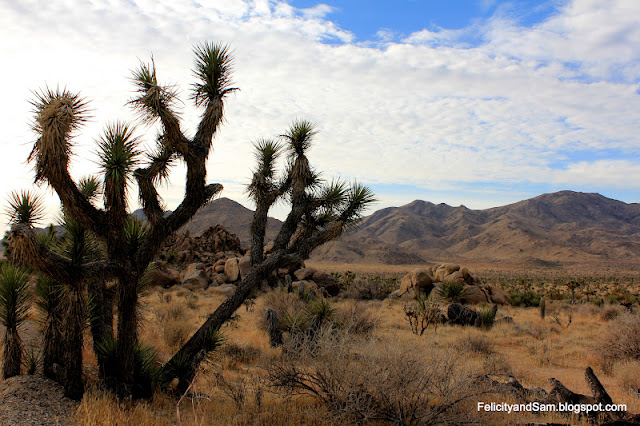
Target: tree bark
<point>258,230</point>
<point>101,318</point>
<point>72,324</point>
<point>127,333</point>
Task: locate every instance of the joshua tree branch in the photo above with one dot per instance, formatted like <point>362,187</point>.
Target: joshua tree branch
<point>148,194</point>
<point>75,203</point>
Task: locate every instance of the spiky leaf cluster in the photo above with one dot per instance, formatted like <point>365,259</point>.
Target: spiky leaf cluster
<point>118,152</point>
<point>267,152</point>
<point>25,207</point>
<point>58,113</point>
<point>153,99</point>
<point>300,136</point>
<point>135,232</point>
<point>14,296</point>
<point>212,69</point>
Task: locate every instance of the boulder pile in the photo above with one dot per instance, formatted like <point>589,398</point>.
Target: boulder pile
<point>425,281</point>
<point>217,259</point>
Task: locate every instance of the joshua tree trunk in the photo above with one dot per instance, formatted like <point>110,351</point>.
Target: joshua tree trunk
<point>52,351</point>
<point>12,356</point>
<point>101,318</point>
<point>258,229</point>
<point>273,328</point>
<point>127,329</point>
<point>73,325</point>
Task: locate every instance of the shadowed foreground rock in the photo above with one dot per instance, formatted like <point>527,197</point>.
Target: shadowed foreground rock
<point>462,315</point>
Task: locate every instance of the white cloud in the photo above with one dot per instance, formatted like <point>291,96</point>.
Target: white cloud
<point>430,111</point>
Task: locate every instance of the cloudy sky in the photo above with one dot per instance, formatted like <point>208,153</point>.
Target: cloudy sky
<point>474,102</point>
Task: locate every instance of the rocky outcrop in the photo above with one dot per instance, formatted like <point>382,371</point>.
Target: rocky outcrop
<point>424,281</point>
<point>194,277</point>
<point>214,244</point>
<point>417,282</point>
<point>216,259</point>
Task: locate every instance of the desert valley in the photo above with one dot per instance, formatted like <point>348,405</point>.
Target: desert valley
<point>344,328</point>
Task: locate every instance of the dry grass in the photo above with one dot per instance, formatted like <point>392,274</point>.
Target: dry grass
<point>232,387</point>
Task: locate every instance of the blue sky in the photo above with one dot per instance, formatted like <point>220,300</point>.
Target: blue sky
<point>474,102</point>
<point>365,18</point>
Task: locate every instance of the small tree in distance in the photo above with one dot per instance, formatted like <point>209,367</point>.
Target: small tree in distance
<point>318,213</point>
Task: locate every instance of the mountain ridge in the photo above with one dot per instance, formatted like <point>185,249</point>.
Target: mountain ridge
<point>564,226</point>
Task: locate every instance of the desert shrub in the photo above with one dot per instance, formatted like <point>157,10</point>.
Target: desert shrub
<point>345,280</point>
<point>235,389</point>
<point>496,364</point>
<point>542,352</point>
<point>171,312</point>
<point>628,375</point>
<point>537,331</point>
<point>451,290</point>
<point>244,354</point>
<point>283,304</point>
<point>192,302</point>
<point>358,382</point>
<point>371,287</point>
<point>356,318</point>
<point>609,313</point>
<point>622,341</point>
<point>621,295</point>
<point>421,313</point>
<point>525,299</point>
<point>475,344</point>
<point>175,332</point>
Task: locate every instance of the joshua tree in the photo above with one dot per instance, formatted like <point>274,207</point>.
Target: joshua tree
<point>318,213</point>
<point>14,307</point>
<point>58,115</point>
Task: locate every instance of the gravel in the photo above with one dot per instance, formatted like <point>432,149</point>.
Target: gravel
<point>34,400</point>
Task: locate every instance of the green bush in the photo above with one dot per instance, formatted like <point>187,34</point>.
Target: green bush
<point>525,299</point>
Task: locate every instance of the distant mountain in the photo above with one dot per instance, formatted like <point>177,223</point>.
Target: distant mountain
<point>232,215</point>
<point>237,219</point>
<point>564,226</point>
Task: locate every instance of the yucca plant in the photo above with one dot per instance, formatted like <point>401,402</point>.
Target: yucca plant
<point>487,317</point>
<point>320,311</point>
<point>451,290</point>
<point>14,310</point>
<point>146,366</point>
